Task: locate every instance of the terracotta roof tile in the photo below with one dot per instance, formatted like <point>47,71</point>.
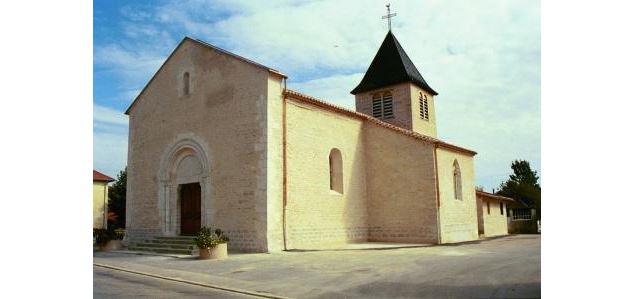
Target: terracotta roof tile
<point>311,100</point>
<point>491,195</point>
<point>100,177</point>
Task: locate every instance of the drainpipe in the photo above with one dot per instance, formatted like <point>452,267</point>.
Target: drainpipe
<point>436,179</point>
<point>284,165</point>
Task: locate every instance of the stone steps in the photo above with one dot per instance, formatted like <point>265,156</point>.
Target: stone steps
<point>153,241</point>
<point>161,250</point>
<point>172,245</point>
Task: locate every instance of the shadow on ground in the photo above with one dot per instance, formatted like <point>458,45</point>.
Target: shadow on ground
<point>414,290</point>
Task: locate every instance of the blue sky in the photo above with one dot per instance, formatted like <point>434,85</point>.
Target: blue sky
<point>483,57</point>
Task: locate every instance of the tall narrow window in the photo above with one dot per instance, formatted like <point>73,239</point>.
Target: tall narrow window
<point>501,205</point>
<point>423,107</point>
<point>458,194</point>
<point>377,111</point>
<point>488,207</point>
<point>335,169</point>
<point>186,83</point>
<point>387,105</point>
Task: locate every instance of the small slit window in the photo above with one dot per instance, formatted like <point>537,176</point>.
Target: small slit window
<point>458,194</point>
<point>488,211</point>
<point>383,106</point>
<point>186,83</point>
<point>502,208</point>
<point>335,170</point>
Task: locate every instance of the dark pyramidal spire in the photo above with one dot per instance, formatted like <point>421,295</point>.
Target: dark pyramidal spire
<point>390,66</point>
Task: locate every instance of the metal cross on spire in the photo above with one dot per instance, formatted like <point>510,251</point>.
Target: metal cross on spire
<point>388,16</point>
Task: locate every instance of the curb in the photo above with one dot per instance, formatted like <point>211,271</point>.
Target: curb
<point>205,285</point>
<point>147,253</point>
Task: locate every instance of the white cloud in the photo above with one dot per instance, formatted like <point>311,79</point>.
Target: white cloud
<point>330,89</point>
<point>110,116</point>
<point>110,139</point>
<point>483,57</point>
<point>110,152</point>
<point>133,66</point>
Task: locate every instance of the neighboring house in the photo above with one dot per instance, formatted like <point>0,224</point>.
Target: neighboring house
<point>100,199</point>
<point>218,140</point>
<point>492,213</point>
<point>522,217</point>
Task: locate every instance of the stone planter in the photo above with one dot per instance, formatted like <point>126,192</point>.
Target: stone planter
<point>213,253</point>
<point>110,245</point>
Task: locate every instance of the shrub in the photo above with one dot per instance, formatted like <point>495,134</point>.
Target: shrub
<point>102,236</point>
<point>205,238</point>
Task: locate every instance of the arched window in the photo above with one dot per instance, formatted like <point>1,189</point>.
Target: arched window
<point>186,83</point>
<point>335,170</point>
<point>423,107</point>
<point>458,194</point>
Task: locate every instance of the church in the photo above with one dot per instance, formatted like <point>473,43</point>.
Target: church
<point>218,140</point>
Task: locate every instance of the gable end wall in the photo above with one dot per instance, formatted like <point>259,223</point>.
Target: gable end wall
<point>227,112</point>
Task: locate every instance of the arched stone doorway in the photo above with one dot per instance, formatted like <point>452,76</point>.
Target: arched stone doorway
<point>184,188</point>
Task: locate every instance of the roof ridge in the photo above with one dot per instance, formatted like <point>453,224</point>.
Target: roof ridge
<point>245,59</point>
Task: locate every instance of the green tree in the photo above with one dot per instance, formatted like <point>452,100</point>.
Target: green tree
<point>523,185</point>
<point>117,201</point>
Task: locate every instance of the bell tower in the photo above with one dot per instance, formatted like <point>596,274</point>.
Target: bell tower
<point>394,91</point>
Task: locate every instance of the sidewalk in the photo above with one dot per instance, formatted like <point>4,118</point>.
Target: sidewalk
<point>479,269</point>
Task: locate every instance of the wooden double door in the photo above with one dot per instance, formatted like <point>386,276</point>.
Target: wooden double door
<point>190,195</point>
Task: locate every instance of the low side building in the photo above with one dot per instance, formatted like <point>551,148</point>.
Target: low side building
<point>492,213</point>
<point>522,217</point>
<point>100,199</point>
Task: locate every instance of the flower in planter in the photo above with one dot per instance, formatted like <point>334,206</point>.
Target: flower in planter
<point>206,239</point>
<point>118,234</point>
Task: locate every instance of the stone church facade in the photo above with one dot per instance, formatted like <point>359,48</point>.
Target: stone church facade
<point>218,140</point>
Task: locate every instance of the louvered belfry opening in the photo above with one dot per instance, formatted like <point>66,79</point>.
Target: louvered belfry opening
<point>383,106</point>
<point>423,107</point>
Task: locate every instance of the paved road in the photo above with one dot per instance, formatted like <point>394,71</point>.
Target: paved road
<point>109,283</point>
<point>507,267</point>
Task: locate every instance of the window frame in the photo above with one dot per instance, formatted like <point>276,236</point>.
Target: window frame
<point>524,216</point>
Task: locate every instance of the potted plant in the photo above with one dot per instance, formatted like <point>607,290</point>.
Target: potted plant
<point>211,245</point>
<point>108,239</point>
